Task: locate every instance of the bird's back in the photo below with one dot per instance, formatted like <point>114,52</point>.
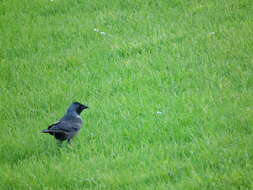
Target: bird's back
<point>68,124</point>
<point>66,128</point>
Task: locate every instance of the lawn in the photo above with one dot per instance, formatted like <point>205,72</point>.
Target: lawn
<point>169,85</point>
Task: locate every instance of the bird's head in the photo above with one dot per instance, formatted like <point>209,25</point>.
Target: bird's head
<point>77,107</point>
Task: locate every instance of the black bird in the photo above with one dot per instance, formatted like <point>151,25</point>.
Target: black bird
<point>69,124</point>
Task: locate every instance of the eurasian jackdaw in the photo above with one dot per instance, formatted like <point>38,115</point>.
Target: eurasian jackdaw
<point>69,124</point>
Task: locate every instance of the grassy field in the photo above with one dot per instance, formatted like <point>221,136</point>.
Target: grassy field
<point>169,85</point>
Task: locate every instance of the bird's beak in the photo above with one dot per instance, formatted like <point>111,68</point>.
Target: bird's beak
<point>84,107</point>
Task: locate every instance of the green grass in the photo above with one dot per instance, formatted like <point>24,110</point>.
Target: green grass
<point>190,60</point>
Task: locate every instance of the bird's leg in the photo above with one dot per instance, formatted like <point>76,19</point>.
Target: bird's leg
<point>69,141</point>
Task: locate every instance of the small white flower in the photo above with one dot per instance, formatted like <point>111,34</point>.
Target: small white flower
<point>211,33</point>
<point>159,112</point>
<point>100,32</point>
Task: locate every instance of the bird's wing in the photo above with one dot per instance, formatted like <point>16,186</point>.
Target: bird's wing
<point>63,126</point>
<point>52,125</point>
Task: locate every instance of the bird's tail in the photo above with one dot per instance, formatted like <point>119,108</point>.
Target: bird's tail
<point>46,131</point>
<point>52,131</point>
